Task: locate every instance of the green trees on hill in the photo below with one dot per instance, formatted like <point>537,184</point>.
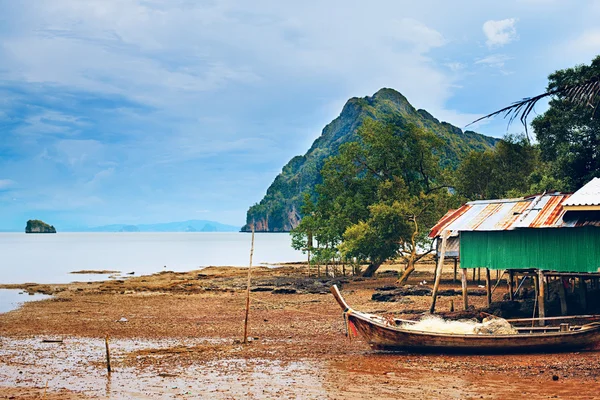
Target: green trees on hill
<point>378,198</point>
<point>280,209</point>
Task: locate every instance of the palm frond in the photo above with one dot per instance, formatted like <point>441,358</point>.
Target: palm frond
<point>585,93</point>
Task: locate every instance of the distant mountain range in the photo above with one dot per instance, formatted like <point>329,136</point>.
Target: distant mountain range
<point>193,225</point>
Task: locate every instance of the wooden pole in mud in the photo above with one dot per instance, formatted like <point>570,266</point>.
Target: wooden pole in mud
<point>248,289</point>
<point>438,270</point>
<point>107,354</point>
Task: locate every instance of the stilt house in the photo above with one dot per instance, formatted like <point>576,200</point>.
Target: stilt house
<point>550,234</point>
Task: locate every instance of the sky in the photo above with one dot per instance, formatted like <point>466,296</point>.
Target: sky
<point>146,111</point>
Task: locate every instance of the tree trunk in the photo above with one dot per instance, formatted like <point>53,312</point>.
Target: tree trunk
<point>371,269</point>
<point>410,267</point>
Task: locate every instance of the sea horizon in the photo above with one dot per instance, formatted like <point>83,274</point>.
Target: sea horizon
<point>52,258</point>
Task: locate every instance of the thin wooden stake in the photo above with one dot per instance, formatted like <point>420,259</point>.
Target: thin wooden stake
<point>438,270</point>
<point>248,290</point>
<point>107,354</point>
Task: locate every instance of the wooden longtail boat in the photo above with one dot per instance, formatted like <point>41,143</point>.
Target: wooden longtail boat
<point>388,334</point>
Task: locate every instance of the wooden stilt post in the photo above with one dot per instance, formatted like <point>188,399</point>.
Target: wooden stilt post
<point>473,278</point>
<point>488,286</point>
<point>464,288</point>
<point>511,285</point>
<point>438,270</point>
<point>582,293</point>
<point>542,298</point>
<point>562,297</point>
<point>248,290</point>
<point>455,266</point>
<point>478,276</point>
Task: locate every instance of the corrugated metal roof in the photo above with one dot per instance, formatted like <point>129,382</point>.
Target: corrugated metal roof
<point>588,195</point>
<point>540,211</point>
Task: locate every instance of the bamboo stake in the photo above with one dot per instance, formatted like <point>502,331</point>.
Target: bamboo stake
<point>108,368</point>
<point>438,270</point>
<point>248,290</point>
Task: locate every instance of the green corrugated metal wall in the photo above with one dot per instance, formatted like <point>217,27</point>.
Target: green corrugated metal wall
<point>562,249</point>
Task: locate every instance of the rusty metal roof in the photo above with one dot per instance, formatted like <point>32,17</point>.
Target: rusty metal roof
<point>540,211</point>
<point>588,195</point>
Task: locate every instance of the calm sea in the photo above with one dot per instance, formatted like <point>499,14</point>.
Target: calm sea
<point>49,258</point>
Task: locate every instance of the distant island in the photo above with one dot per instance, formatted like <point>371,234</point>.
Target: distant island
<point>37,226</point>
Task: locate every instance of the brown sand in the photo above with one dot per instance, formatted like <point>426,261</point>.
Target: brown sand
<point>176,335</point>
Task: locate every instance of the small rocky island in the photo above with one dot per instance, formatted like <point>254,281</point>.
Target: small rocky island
<point>37,226</point>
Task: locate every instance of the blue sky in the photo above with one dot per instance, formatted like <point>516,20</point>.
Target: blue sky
<point>151,111</point>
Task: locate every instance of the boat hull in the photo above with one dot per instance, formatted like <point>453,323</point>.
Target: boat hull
<point>386,337</point>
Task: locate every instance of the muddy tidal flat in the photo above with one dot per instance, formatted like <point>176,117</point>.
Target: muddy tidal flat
<point>177,335</point>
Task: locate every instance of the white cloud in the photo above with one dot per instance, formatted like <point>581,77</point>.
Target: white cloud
<point>494,60</point>
<point>500,33</point>
<point>585,46</point>
<point>455,66</point>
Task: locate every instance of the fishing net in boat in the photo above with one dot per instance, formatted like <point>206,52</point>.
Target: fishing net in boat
<point>489,326</point>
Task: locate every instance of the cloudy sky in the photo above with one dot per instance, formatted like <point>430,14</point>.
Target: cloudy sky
<point>152,111</point>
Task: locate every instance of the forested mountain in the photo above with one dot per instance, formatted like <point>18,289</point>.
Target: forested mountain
<point>279,210</point>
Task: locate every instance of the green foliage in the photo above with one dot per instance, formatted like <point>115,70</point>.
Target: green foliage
<point>379,196</point>
<point>569,137</point>
<point>280,209</point>
<point>37,226</point>
<point>505,171</point>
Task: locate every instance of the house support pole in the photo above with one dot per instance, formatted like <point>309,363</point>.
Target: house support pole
<point>511,285</point>
<point>542,297</point>
<point>464,288</point>
<point>488,286</point>
<point>562,296</point>
<point>438,271</point>
<point>455,266</point>
<point>582,294</point>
